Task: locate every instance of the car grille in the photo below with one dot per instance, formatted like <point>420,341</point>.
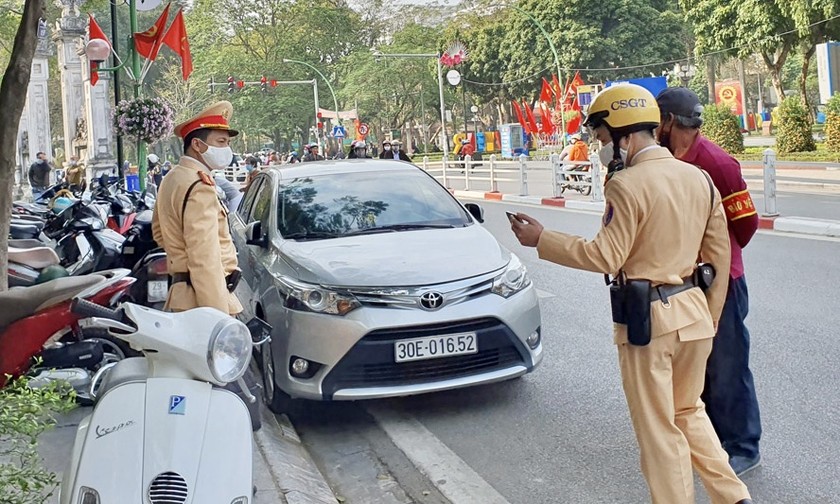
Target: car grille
<point>168,488</point>
<point>370,363</point>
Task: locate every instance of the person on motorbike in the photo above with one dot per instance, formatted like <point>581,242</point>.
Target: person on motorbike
<point>154,170</point>
<point>358,150</point>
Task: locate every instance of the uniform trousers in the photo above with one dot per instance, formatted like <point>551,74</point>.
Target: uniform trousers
<point>662,383</point>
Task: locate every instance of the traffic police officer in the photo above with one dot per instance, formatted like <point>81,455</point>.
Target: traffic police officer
<point>190,222</point>
<point>661,215</point>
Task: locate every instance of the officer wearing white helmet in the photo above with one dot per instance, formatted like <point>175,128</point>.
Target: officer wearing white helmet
<point>661,215</point>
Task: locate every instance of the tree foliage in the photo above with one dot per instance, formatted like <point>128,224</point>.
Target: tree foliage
<point>722,127</point>
<point>793,130</point>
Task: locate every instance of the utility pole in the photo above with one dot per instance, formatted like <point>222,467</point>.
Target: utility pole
<point>115,37</point>
<point>743,79</point>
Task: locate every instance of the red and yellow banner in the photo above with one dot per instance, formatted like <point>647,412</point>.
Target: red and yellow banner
<point>729,93</point>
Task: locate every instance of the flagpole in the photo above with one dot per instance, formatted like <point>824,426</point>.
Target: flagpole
<point>114,49</point>
<point>136,70</point>
<point>556,63</point>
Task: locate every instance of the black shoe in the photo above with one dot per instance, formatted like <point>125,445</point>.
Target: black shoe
<point>742,465</point>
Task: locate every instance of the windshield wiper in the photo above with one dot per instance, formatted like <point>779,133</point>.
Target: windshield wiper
<point>399,227</point>
<point>310,235</point>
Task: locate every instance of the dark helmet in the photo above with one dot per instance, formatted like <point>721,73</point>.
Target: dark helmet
<point>51,273</point>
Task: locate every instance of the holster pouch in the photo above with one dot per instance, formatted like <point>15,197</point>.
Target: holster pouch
<point>617,302</point>
<point>704,276</point>
<point>637,311</point>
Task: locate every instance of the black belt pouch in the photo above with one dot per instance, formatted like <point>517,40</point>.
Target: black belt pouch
<point>637,311</point>
<point>617,302</point>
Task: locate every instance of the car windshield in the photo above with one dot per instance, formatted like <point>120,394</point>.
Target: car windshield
<point>335,205</point>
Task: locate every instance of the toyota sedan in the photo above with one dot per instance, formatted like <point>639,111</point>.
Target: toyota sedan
<point>377,282</point>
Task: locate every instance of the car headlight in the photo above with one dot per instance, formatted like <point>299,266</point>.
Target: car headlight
<point>512,280</point>
<point>229,350</point>
<point>307,297</point>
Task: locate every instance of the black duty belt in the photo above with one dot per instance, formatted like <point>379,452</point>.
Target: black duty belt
<point>663,292</point>
<point>231,280</point>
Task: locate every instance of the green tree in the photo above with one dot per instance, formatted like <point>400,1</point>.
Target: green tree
<point>722,127</point>
<point>793,131</point>
<point>12,98</point>
<point>832,123</point>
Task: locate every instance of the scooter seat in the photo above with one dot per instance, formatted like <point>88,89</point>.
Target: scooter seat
<point>38,223</point>
<point>23,231</point>
<point>19,302</point>
<point>35,257</point>
<point>32,208</point>
<point>26,243</point>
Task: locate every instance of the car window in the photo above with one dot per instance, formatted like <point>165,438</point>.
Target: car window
<point>350,203</point>
<point>248,200</point>
<point>262,203</point>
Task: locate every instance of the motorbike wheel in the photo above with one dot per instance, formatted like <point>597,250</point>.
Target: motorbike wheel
<point>277,401</point>
<point>586,190</point>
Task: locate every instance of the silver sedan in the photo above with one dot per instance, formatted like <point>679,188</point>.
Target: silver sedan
<point>377,282</point>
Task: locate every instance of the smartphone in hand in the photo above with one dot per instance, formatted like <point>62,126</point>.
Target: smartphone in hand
<point>512,216</point>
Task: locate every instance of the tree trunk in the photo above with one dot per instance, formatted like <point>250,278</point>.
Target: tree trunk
<point>775,64</point>
<point>12,97</point>
<point>803,79</point>
<point>710,76</point>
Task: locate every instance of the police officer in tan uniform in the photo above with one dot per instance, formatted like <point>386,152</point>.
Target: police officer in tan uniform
<point>661,216</point>
<point>190,222</point>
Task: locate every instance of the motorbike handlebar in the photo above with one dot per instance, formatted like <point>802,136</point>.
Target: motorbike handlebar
<point>86,308</point>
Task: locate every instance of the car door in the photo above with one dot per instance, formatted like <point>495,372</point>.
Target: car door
<point>238,221</point>
<point>261,256</point>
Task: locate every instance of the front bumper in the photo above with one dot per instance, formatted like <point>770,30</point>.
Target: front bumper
<point>355,354</point>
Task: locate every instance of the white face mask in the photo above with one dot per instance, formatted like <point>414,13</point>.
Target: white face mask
<point>387,147</point>
<point>217,158</point>
<point>606,154</point>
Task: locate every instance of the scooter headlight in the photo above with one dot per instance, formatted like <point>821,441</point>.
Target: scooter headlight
<point>88,496</point>
<point>229,350</point>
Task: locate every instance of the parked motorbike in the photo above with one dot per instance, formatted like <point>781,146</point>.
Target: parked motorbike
<point>181,438</point>
<point>36,318</point>
<point>580,181</point>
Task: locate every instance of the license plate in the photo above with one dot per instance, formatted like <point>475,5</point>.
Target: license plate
<point>156,290</point>
<point>434,347</point>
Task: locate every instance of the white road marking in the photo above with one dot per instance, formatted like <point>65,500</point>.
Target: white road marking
<point>456,480</point>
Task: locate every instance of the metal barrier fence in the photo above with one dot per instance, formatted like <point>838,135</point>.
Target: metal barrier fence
<point>583,176</point>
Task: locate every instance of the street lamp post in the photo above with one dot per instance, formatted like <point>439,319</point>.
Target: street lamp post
<point>444,140</point>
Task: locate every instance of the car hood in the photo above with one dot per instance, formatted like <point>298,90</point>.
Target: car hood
<point>398,259</point>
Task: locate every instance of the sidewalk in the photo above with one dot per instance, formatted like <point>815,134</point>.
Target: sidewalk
<point>825,182</point>
<point>284,473</point>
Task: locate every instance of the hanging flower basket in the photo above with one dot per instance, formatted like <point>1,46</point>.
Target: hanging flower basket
<point>148,120</point>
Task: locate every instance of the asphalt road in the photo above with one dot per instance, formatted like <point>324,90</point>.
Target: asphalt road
<point>562,434</point>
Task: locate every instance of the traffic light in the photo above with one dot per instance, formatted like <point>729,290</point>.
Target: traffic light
<point>210,85</point>
<point>263,84</point>
<point>231,87</point>
<point>274,83</point>
<point>240,84</point>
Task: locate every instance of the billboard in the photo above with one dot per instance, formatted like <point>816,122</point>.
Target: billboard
<point>828,69</point>
<point>729,93</point>
<point>653,84</point>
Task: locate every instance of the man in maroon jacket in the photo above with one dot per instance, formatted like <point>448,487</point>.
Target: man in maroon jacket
<point>730,393</point>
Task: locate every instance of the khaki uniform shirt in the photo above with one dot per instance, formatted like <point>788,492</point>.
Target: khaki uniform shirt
<point>75,174</point>
<point>199,242</point>
<point>656,223</point>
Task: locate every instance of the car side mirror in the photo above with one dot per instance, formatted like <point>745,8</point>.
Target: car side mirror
<point>254,235</point>
<point>475,210</point>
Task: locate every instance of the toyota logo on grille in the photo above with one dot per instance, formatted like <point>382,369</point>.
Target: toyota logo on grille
<point>431,300</point>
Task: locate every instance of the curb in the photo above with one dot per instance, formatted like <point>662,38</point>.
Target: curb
<point>799,225</point>
<point>289,463</point>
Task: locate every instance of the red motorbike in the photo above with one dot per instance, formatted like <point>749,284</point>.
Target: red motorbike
<point>38,317</point>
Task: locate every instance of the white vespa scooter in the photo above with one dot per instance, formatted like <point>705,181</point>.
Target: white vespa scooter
<point>161,432</point>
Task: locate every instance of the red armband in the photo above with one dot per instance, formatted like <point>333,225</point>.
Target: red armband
<point>738,205</point>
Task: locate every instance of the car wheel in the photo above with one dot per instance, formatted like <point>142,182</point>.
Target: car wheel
<point>277,401</point>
